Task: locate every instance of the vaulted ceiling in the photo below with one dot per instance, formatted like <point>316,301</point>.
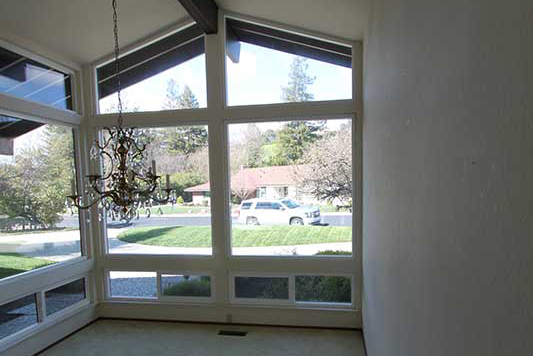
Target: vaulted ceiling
<point>81,30</point>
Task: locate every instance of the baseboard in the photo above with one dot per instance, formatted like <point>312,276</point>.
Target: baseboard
<point>326,318</point>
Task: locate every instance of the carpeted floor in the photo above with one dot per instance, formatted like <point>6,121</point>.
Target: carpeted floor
<point>133,338</point>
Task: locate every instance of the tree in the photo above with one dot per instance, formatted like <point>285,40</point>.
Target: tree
<point>296,91</point>
<point>187,99</point>
<point>172,97</point>
<point>328,168</point>
<point>293,139</point>
<point>183,139</point>
<point>37,183</point>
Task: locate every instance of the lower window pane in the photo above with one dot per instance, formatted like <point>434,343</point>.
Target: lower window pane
<point>183,228</point>
<point>37,173</point>
<point>185,286</point>
<point>17,315</point>
<point>133,284</point>
<point>61,297</point>
<point>291,187</point>
<point>323,289</point>
<point>262,287</point>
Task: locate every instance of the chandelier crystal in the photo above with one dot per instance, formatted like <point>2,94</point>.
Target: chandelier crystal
<point>125,184</point>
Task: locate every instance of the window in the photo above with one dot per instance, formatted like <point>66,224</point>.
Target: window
<point>181,227</point>
<point>179,285</point>
<point>132,284</point>
<point>64,296</point>
<point>37,173</point>
<point>30,80</point>
<point>323,289</point>
<point>293,289</point>
<point>265,65</point>
<point>18,315</point>
<point>282,175</point>
<point>166,75</point>
<point>264,205</point>
<point>314,158</point>
<point>262,287</point>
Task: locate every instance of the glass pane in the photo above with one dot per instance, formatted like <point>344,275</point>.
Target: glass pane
<point>265,76</point>
<point>291,187</point>
<point>30,80</point>
<point>182,228</point>
<point>64,296</point>
<point>133,284</point>
<point>185,285</point>
<point>17,315</point>
<point>330,289</point>
<point>37,173</point>
<point>181,87</point>
<point>262,287</point>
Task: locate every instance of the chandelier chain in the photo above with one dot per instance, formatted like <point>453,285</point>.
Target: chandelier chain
<point>117,64</point>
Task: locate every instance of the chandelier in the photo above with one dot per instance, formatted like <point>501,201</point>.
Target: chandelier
<point>125,184</point>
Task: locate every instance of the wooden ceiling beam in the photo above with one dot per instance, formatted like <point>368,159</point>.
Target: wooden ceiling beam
<point>204,12</point>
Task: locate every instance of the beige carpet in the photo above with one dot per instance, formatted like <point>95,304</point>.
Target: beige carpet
<point>132,338</point>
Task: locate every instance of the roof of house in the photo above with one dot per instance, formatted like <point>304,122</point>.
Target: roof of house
<point>253,178</point>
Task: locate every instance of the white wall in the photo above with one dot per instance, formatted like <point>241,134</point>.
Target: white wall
<point>448,178</point>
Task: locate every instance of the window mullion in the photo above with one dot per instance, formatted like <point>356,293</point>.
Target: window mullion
<point>217,164</point>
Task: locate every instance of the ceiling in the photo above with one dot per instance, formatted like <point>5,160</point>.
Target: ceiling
<point>81,30</point>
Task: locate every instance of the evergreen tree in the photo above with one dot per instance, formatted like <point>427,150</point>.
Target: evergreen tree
<point>187,99</point>
<point>183,139</point>
<point>172,97</point>
<point>294,137</point>
<point>296,91</point>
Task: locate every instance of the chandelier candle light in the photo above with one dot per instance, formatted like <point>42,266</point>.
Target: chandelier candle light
<point>126,184</point>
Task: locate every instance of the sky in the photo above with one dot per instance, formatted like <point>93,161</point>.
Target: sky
<point>256,79</point>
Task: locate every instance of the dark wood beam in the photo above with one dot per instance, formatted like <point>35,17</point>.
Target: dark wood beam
<point>204,12</point>
<point>151,60</point>
<point>286,42</point>
<point>17,127</point>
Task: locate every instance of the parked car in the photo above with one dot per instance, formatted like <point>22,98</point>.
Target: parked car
<point>277,212</point>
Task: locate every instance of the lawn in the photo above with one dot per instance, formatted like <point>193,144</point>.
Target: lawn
<point>246,236</point>
<point>14,263</point>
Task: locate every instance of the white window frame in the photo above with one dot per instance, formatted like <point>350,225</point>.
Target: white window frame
<point>291,300</point>
<point>45,278</point>
<point>218,115</point>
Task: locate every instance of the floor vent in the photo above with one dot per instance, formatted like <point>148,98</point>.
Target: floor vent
<point>232,333</point>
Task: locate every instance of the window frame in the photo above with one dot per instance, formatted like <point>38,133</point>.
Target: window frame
<point>291,300</point>
<point>49,277</point>
<point>217,115</point>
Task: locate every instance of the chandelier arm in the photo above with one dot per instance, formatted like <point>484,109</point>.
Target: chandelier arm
<point>112,168</point>
<point>76,201</point>
<point>139,149</point>
<point>161,201</point>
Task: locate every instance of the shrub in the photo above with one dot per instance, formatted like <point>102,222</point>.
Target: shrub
<point>180,200</point>
<point>333,253</point>
<point>190,288</point>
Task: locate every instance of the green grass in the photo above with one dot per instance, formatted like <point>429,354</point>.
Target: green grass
<point>246,236</point>
<point>14,263</point>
